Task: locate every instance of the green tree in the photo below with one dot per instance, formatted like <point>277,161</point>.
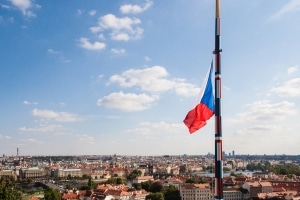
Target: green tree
<point>8,190</point>
<point>137,186</point>
<point>190,180</point>
<point>52,194</point>
<point>171,193</point>
<point>226,169</point>
<point>147,185</point>
<point>156,187</point>
<point>135,173</point>
<point>155,196</point>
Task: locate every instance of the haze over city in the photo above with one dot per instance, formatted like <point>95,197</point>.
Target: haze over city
<point>118,77</point>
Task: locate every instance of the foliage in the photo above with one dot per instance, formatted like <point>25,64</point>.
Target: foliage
<point>156,187</point>
<point>146,185</point>
<point>171,193</point>
<point>52,194</point>
<point>137,186</point>
<point>285,169</point>
<point>264,166</point>
<point>8,190</point>
<point>194,180</point>
<point>115,181</point>
<point>155,196</point>
<point>226,169</point>
<point>135,173</point>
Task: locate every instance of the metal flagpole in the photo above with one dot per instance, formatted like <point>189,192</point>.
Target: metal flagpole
<point>218,120</point>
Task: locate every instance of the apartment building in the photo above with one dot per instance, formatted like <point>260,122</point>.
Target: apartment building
<point>235,194</point>
<point>254,188</point>
<point>189,191</point>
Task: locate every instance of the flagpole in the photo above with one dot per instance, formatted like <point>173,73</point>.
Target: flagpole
<point>218,119</point>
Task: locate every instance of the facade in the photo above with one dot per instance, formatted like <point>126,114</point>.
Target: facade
<point>33,173</point>
<point>67,172</point>
<point>7,174</point>
<point>141,179</point>
<point>235,194</point>
<point>189,191</point>
<point>256,187</point>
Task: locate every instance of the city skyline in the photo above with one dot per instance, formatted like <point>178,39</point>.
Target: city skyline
<point>104,78</point>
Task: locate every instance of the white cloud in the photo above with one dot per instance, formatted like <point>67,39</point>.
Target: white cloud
<point>118,51</point>
<point>160,127</point>
<point>85,139</point>
<point>154,79</point>
<point>292,69</point>
<point>60,54</point>
<point>264,111</point>
<point>289,88</point>
<point>24,6</point>
<point>84,43</point>
<point>127,102</point>
<point>79,12</point>
<point>43,128</point>
<point>135,9</point>
<point>5,6</point>
<point>57,116</point>
<point>147,58</point>
<point>120,28</point>
<point>29,103</point>
<point>92,12</point>
<point>5,137</point>
<point>290,7</point>
<point>32,141</point>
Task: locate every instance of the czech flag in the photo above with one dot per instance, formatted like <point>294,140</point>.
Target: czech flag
<point>205,109</point>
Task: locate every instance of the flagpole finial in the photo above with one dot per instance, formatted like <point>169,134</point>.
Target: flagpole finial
<point>217,8</point>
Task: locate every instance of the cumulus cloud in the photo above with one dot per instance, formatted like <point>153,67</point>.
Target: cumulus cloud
<point>292,69</point>
<point>135,9</point>
<point>85,139</point>
<point>92,12</point>
<point>118,51</point>
<point>86,44</point>
<point>265,111</point>
<point>29,103</point>
<point>24,6</point>
<point>289,88</point>
<point>32,141</point>
<point>291,7</point>
<point>5,137</point>
<point>163,126</point>
<point>127,102</point>
<point>154,80</point>
<point>56,116</point>
<point>147,58</point>
<point>262,128</point>
<point>43,128</point>
<point>122,29</point>
<point>60,54</point>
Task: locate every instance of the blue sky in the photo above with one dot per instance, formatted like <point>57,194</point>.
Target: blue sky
<point>118,77</point>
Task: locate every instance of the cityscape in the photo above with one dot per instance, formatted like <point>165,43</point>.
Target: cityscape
<point>98,100</point>
<point>185,177</point>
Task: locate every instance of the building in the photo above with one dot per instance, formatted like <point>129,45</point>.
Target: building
<point>67,172</point>
<point>189,191</point>
<point>7,174</point>
<point>33,173</point>
<point>235,194</point>
<point>141,179</point>
<point>254,188</point>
